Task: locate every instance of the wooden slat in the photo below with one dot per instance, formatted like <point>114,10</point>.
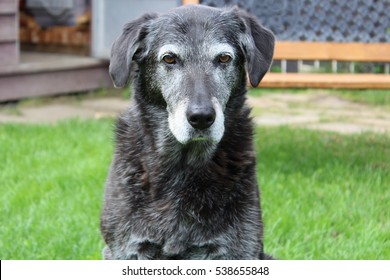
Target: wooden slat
<point>49,74</point>
<point>8,7</point>
<point>52,83</point>
<point>8,28</point>
<point>300,80</point>
<point>9,54</point>
<point>186,2</point>
<point>333,51</point>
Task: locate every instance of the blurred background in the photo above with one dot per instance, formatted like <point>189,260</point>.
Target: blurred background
<point>36,36</point>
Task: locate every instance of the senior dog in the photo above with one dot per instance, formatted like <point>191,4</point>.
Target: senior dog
<point>182,183</point>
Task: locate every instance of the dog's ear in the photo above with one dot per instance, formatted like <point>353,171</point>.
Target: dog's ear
<point>124,48</point>
<point>258,44</point>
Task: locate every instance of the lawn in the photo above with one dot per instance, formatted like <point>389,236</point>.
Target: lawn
<point>51,189</point>
<point>373,97</point>
<point>324,196</point>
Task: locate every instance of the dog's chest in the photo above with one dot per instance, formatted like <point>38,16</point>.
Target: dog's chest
<point>183,222</point>
<point>170,235</point>
<point>177,239</point>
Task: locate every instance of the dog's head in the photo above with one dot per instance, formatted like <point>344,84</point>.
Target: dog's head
<point>193,60</point>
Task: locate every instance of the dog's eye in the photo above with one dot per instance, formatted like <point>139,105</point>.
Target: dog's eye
<point>169,58</point>
<point>224,58</point>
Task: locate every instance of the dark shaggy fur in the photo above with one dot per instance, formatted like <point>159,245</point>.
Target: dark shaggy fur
<point>195,200</point>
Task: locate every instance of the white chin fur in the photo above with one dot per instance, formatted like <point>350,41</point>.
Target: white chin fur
<point>185,133</point>
<point>178,124</point>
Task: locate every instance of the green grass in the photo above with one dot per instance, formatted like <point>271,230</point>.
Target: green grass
<point>51,184</point>
<point>371,97</point>
<point>324,196</point>
<point>257,92</point>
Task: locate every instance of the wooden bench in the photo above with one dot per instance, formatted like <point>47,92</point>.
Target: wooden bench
<point>329,51</point>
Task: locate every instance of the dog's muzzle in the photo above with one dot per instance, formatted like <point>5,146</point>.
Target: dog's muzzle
<point>197,122</point>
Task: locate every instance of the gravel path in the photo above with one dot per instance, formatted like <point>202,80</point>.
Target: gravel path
<point>319,111</point>
<point>313,111</point>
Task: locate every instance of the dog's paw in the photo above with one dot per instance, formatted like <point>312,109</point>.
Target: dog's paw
<point>174,248</point>
<point>265,256</point>
<point>107,255</point>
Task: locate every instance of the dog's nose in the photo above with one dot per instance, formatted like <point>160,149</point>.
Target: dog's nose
<point>201,117</point>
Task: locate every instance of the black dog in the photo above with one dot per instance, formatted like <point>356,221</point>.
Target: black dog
<point>182,184</point>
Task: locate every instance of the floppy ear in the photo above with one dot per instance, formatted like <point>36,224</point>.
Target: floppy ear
<point>124,48</point>
<point>258,43</point>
